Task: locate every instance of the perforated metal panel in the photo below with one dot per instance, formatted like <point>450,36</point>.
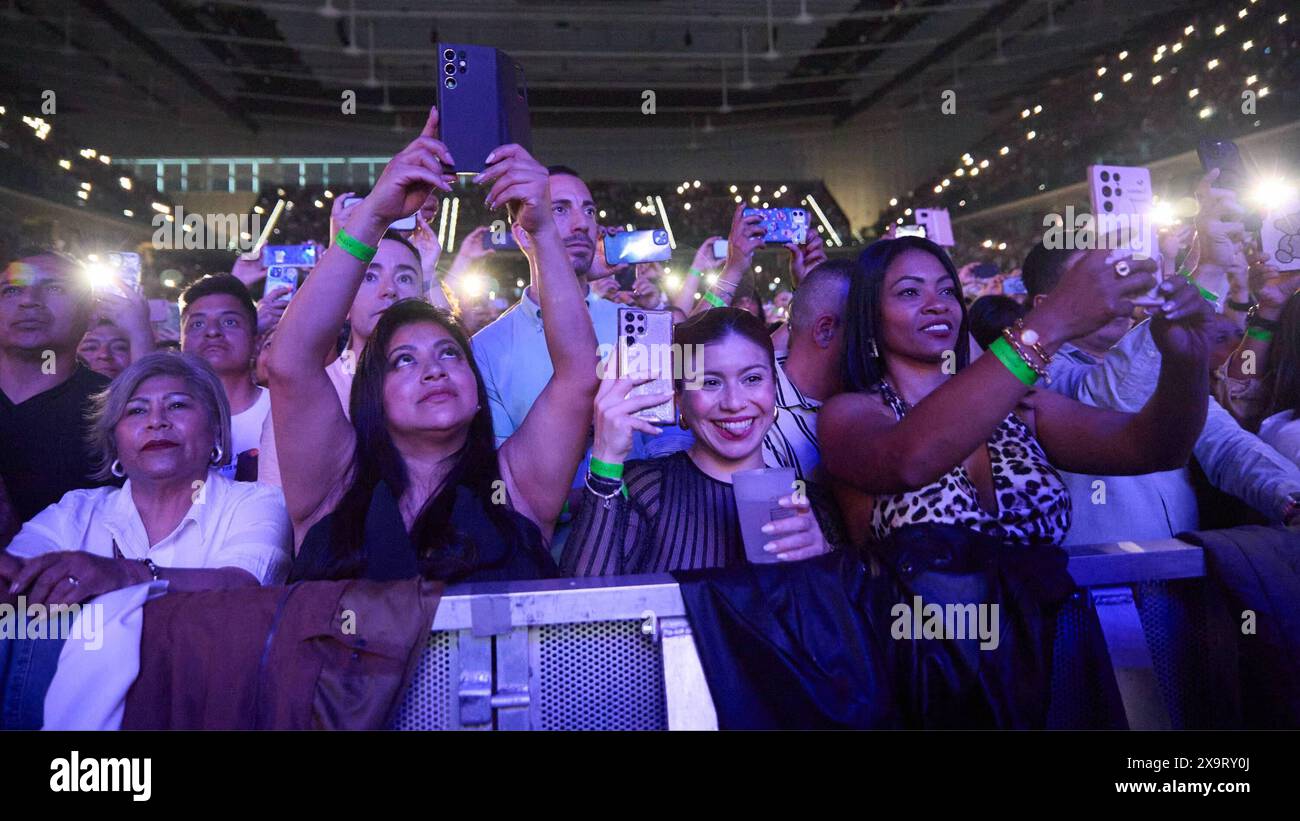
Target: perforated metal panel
<point>1173,620</point>
<point>431,699</point>
<point>598,676</point>
<point>1080,698</point>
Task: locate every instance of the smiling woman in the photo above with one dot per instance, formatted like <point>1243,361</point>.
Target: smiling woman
<point>923,435</point>
<point>163,425</point>
<point>679,512</point>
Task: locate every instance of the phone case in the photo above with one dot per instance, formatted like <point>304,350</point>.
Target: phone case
<point>303,256</point>
<point>1122,196</point>
<point>645,346</point>
<point>638,246</point>
<point>278,276</point>
<point>782,225</point>
<point>937,225</point>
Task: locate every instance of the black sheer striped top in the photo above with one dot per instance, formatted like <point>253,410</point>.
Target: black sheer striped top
<point>674,517</point>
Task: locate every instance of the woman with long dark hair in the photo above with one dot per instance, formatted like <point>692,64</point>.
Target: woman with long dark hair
<point>413,483</point>
<point>923,434</point>
<point>678,512</point>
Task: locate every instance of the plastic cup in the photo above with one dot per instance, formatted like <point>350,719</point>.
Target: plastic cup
<point>757,495</point>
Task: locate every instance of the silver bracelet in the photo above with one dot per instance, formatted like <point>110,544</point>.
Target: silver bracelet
<point>605,496</point>
<point>153,568</point>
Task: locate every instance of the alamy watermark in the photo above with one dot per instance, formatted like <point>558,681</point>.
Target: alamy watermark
<point>53,621</point>
<point>682,363</point>
<point>1084,231</point>
<point>205,232</point>
<point>953,621</point>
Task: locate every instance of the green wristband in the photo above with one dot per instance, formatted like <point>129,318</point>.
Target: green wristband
<point>1008,356</point>
<point>1262,334</point>
<point>695,272</point>
<point>606,470</point>
<point>355,247</point>
<point>714,300</point>
<point>1206,293</point>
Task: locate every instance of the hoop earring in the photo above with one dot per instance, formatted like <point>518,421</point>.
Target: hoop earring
<point>681,421</point>
<point>217,454</point>
<point>116,469</point>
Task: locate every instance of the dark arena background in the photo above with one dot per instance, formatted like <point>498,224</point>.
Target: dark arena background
<point>650,365</point>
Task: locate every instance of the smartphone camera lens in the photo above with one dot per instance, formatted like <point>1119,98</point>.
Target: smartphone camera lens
<point>449,68</point>
<point>641,331</point>
<point>629,329</point>
<point>1105,190</point>
<point>1105,176</point>
<point>640,317</point>
<point>451,82</point>
<point>631,340</point>
<point>448,54</point>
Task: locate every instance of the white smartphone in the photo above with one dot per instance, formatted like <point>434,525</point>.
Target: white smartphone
<point>937,225</point>
<point>279,276</point>
<point>1122,200</point>
<point>645,347</point>
<point>719,249</point>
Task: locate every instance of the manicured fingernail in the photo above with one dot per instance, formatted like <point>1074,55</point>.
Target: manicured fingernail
<point>767,528</point>
<point>1167,307</point>
<point>770,547</point>
<point>488,161</point>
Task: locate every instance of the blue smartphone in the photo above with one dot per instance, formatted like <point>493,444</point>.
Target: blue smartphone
<point>782,225</point>
<point>303,256</point>
<point>638,246</point>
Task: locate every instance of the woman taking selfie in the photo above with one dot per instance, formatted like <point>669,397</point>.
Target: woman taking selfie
<point>678,512</point>
<point>413,484</point>
<point>924,435</point>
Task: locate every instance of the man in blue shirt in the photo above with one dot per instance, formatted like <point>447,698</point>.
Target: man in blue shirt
<point>511,352</point>
<point>1123,377</point>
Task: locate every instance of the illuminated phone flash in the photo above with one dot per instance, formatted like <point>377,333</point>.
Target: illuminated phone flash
<point>1273,194</point>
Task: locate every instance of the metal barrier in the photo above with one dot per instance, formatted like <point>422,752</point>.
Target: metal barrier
<point>617,653</point>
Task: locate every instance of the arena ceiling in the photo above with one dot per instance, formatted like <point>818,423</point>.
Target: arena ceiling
<point>245,65</point>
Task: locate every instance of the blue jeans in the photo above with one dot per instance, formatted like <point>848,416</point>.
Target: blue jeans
<point>26,669</point>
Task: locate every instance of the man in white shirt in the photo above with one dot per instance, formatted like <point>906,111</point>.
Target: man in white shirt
<point>219,324</point>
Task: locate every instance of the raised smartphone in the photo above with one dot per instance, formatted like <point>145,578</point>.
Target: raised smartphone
<point>638,246</point>
<point>645,347</point>
<point>782,225</point>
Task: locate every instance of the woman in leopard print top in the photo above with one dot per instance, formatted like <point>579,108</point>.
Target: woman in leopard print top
<point>925,435</point>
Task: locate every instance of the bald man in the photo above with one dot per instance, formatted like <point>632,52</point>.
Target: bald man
<point>809,372</point>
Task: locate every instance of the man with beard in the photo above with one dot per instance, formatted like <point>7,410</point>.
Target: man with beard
<point>45,306</point>
<point>511,352</point>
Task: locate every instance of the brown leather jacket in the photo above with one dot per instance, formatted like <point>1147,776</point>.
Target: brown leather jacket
<point>314,655</point>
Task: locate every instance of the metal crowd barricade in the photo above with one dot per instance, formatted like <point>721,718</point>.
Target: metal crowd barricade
<point>1141,646</point>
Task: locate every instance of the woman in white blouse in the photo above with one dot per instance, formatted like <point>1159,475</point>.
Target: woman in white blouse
<point>164,425</point>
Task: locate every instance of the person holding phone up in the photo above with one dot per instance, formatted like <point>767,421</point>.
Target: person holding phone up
<point>678,512</point>
<point>411,484</point>
<point>923,434</point>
